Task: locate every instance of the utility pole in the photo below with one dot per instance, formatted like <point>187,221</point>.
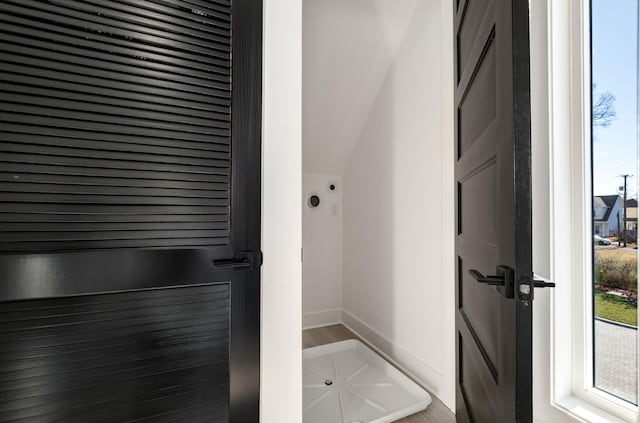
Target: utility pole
<point>624,205</point>
<point>618,215</point>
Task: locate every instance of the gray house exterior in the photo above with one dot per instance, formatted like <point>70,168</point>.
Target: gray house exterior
<point>608,212</point>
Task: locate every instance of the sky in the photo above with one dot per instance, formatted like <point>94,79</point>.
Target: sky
<point>615,58</point>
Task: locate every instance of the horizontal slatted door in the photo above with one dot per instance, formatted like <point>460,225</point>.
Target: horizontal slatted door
<point>167,351</point>
<point>115,124</point>
<point>129,164</point>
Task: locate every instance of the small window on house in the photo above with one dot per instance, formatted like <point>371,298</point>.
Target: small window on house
<point>614,55</point>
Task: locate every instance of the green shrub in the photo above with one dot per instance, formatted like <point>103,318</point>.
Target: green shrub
<point>616,271</point>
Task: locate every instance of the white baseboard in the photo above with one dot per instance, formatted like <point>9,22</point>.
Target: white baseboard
<point>422,373</point>
<point>321,318</point>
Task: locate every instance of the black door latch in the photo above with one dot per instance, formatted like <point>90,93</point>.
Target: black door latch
<point>543,284</point>
<point>243,260</point>
<point>503,280</point>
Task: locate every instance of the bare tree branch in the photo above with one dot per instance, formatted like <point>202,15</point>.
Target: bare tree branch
<point>604,110</point>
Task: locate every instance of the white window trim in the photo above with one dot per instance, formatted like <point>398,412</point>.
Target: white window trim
<point>569,196</point>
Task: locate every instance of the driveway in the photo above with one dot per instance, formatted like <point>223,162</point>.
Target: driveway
<point>617,360</point>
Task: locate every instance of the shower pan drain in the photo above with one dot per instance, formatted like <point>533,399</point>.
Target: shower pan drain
<point>346,382</point>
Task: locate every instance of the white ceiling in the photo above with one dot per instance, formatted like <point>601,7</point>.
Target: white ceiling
<point>347,48</point>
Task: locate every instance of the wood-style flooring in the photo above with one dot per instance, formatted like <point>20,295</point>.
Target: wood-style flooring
<point>437,412</point>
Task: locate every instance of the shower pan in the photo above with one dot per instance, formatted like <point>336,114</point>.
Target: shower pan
<point>346,382</point>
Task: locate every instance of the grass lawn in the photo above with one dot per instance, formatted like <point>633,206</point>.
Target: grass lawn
<point>622,253</point>
<point>612,307</point>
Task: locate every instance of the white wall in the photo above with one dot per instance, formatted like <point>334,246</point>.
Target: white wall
<point>281,336</point>
<point>322,244</point>
<point>398,209</point>
<point>348,47</point>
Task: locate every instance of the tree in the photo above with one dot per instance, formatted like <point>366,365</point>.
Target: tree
<point>604,109</point>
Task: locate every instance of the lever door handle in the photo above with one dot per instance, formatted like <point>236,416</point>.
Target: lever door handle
<point>489,280</point>
<point>232,264</point>
<point>503,280</point>
<point>243,260</point>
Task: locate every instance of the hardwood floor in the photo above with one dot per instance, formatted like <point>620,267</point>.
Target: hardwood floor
<point>437,412</point>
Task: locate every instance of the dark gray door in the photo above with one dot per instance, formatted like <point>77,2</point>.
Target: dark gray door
<point>130,210</point>
<point>494,283</point>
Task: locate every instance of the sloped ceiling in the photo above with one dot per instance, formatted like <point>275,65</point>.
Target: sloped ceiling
<point>347,49</point>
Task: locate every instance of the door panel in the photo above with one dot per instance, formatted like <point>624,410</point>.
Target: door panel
<point>74,133</point>
<point>475,382</point>
<point>480,309</point>
<point>469,27</point>
<point>478,107</point>
<point>166,350</point>
<point>493,243</point>
<point>478,191</point>
<point>129,164</point>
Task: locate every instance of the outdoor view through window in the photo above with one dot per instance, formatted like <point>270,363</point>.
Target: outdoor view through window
<point>614,55</point>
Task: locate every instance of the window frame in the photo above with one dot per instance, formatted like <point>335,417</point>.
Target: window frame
<point>570,217</point>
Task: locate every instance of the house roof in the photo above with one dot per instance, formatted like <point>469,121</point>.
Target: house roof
<point>632,202</point>
<point>600,205</point>
<point>609,202</point>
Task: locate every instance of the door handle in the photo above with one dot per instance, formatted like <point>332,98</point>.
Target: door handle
<point>244,260</point>
<point>503,280</point>
<point>489,280</point>
<point>232,264</point>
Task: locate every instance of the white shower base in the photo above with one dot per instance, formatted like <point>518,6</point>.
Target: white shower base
<point>346,382</point>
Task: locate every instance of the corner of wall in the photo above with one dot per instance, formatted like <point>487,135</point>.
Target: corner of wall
<point>422,373</point>
<point>448,201</point>
<point>322,244</point>
<point>281,328</point>
<point>376,88</point>
<point>376,196</point>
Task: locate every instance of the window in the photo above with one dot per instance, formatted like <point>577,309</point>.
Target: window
<point>592,82</point>
<point>614,141</point>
